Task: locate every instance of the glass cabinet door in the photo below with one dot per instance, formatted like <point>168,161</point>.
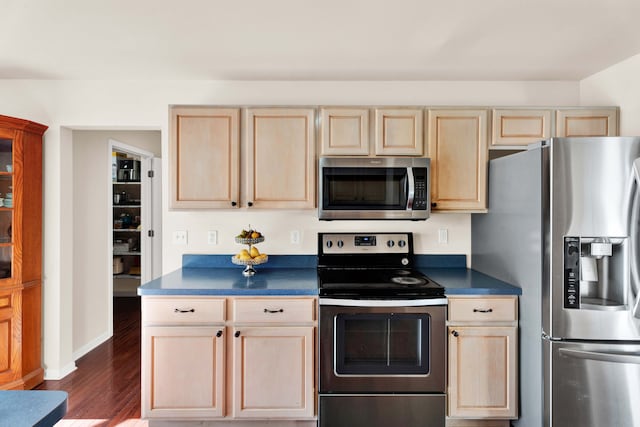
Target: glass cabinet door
<point>6,207</point>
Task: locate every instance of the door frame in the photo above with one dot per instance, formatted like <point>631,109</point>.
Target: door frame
<point>149,213</point>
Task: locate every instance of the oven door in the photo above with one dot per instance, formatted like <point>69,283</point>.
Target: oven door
<point>374,349</point>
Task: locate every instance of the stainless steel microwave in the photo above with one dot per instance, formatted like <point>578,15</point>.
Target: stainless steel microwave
<point>374,188</point>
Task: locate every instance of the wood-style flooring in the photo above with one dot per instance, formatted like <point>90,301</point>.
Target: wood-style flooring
<point>104,390</point>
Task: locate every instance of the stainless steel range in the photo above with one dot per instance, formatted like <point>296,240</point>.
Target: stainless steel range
<point>382,333</point>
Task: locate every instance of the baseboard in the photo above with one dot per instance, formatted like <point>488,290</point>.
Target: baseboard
<point>58,374</point>
<point>91,345</point>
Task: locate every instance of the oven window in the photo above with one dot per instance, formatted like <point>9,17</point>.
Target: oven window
<point>365,188</point>
<point>382,344</point>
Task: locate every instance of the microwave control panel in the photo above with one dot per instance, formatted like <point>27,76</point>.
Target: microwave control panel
<point>420,189</point>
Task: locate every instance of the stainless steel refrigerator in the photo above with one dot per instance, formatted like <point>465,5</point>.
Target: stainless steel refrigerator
<point>563,224</point>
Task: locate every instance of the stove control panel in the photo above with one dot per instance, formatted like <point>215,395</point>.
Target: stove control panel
<point>365,243</point>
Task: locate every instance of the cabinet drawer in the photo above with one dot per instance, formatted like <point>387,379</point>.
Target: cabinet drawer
<point>183,310</point>
<point>274,310</point>
<point>482,309</point>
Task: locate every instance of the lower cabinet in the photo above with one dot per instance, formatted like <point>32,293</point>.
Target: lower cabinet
<point>258,362</point>
<point>483,362</point>
<point>273,372</point>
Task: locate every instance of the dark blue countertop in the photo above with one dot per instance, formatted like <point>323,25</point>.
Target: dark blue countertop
<point>296,275</point>
<point>27,408</point>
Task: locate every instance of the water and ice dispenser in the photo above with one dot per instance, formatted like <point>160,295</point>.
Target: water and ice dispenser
<point>595,273</point>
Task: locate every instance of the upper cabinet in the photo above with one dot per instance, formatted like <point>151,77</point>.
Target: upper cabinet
<point>517,127</point>
<point>457,146</point>
<point>280,162</point>
<point>344,131</point>
<point>204,157</point>
<point>399,132</point>
<point>348,131</point>
<point>587,122</point>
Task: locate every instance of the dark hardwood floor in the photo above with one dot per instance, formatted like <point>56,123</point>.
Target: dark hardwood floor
<point>104,390</point>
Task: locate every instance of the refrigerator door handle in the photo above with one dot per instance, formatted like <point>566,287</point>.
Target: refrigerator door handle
<point>633,233</point>
<point>601,356</point>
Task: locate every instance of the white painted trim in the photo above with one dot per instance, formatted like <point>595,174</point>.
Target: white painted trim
<point>58,374</point>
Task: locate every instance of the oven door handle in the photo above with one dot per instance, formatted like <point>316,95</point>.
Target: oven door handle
<point>382,303</point>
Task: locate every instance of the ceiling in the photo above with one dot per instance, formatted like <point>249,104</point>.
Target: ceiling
<point>316,40</point>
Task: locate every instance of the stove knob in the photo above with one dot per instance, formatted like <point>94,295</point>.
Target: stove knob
<point>329,243</point>
<point>402,243</point>
<point>405,261</point>
<point>340,243</point>
<point>390,243</point>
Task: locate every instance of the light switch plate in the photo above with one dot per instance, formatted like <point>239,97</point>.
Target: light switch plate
<point>179,237</point>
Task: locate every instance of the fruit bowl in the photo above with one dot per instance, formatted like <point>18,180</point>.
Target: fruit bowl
<point>249,263</point>
<point>249,240</point>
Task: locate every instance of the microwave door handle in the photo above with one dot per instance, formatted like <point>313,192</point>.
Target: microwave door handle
<point>634,218</point>
<point>411,188</point>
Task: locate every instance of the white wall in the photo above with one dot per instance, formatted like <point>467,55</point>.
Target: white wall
<point>617,85</point>
<point>142,105</point>
<point>91,180</point>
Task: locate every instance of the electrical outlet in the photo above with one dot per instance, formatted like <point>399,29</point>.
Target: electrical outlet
<point>212,237</point>
<point>295,237</point>
<point>179,237</point>
<point>443,236</point>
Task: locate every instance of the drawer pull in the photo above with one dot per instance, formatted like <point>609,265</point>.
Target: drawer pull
<point>266,310</point>
<point>483,310</point>
<point>237,334</point>
<point>219,334</point>
<point>455,333</point>
<point>179,310</point>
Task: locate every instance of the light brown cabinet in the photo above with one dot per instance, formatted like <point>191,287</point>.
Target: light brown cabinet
<point>457,146</point>
<point>482,382</point>
<point>344,131</point>
<point>204,157</point>
<point>20,253</point>
<point>280,162</point>
<point>399,132</point>
<point>520,127</point>
<point>587,122</point>
<point>233,358</point>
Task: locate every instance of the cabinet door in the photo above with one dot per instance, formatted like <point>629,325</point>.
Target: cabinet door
<point>518,127</point>
<point>587,122</point>
<point>344,131</point>
<point>399,132</point>
<point>273,372</point>
<point>183,372</point>
<point>204,157</point>
<point>458,150</point>
<point>10,367</point>
<point>482,372</point>
<point>281,158</point>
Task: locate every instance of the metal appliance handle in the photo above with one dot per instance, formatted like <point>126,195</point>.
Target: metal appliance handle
<point>411,193</point>
<point>382,302</point>
<point>633,234</point>
<point>602,356</point>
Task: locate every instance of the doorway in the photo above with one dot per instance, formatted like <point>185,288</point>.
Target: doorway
<point>90,222</point>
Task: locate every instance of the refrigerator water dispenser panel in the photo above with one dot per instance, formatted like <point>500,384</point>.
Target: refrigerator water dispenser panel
<point>571,272</point>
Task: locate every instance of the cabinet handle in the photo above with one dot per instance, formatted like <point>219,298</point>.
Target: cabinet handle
<point>434,204</point>
<point>237,334</point>
<point>179,310</point>
<point>249,204</point>
<point>233,203</point>
<point>483,310</point>
<point>266,310</point>
<point>219,334</point>
<point>455,333</point>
